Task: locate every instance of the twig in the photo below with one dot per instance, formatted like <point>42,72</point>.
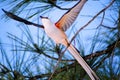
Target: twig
<point>108,27</point>
<point>17,18</point>
<point>108,51</point>
<point>59,60</point>
<point>102,20</point>
<point>51,2</point>
<point>72,60</point>
<point>91,20</point>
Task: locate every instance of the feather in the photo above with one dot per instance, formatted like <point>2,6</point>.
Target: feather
<point>69,17</point>
<point>82,62</point>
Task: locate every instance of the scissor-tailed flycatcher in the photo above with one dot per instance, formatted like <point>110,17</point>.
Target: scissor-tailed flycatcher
<point>56,32</point>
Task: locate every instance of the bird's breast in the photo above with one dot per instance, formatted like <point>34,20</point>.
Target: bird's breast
<point>56,34</point>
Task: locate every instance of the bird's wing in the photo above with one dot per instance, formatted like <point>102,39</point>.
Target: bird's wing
<point>69,17</point>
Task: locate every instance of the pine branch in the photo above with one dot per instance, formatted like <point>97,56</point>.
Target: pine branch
<point>99,53</point>
<point>17,18</point>
<point>107,52</point>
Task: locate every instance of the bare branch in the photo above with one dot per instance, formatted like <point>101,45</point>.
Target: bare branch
<point>108,27</point>
<point>52,2</point>
<point>91,20</point>
<point>17,18</point>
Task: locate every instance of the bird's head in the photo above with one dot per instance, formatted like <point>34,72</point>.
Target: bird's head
<point>43,17</point>
<point>45,21</point>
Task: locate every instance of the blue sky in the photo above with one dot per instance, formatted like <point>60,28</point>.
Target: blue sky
<point>89,10</point>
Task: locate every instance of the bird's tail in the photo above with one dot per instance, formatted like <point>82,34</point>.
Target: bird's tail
<point>82,62</point>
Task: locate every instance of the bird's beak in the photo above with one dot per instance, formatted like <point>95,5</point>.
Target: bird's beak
<point>41,17</point>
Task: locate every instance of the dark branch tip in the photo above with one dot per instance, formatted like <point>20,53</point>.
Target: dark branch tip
<point>4,11</point>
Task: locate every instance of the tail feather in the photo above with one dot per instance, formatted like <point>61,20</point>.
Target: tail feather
<point>82,62</point>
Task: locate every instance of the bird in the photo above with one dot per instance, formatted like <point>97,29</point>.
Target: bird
<point>56,32</point>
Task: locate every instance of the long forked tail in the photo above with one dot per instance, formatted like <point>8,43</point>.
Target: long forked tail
<point>82,62</point>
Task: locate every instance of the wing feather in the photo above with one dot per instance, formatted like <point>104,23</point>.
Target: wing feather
<point>69,17</point>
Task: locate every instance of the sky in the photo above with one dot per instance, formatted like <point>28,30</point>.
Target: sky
<point>89,10</point>
<point>10,25</point>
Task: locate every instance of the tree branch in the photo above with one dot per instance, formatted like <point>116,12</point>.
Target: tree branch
<point>17,18</point>
<point>92,20</point>
<point>105,53</point>
<point>52,3</point>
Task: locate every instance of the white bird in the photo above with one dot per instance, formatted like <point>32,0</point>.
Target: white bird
<point>56,32</point>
